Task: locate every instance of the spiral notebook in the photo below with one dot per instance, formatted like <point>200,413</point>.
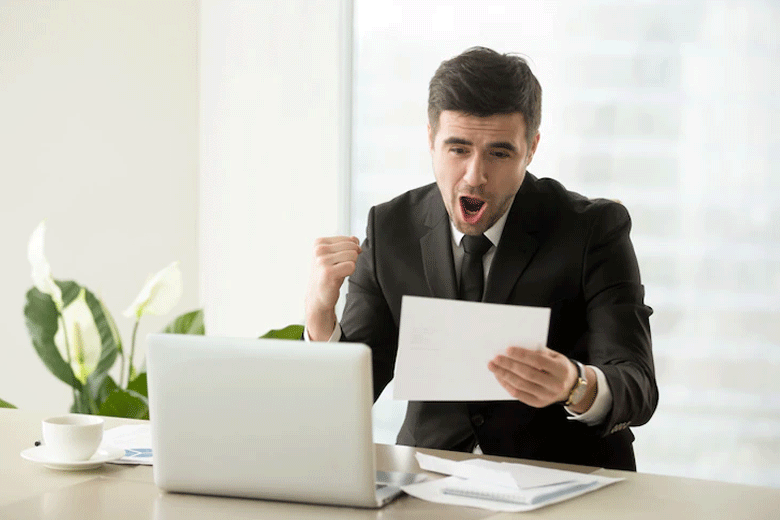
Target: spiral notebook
<point>534,496</point>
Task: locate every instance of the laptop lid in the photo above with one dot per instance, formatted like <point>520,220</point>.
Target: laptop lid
<point>262,418</point>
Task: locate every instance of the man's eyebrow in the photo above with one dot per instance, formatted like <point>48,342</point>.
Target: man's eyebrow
<point>505,145</point>
<point>457,140</point>
<point>498,144</point>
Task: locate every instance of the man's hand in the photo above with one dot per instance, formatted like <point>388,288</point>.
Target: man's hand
<point>537,378</point>
<point>334,260</point>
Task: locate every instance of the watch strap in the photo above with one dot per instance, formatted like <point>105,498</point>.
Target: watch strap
<point>579,382</point>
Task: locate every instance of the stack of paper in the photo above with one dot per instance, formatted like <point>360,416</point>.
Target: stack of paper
<point>500,486</point>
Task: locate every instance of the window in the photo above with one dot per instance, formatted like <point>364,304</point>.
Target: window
<point>671,108</point>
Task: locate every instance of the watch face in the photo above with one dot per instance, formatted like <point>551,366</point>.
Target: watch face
<point>579,391</point>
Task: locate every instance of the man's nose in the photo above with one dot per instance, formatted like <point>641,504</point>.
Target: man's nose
<point>475,172</point>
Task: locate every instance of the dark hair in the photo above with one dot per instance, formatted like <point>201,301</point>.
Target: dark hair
<point>481,82</point>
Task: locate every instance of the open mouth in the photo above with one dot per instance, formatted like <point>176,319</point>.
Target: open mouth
<point>472,208</point>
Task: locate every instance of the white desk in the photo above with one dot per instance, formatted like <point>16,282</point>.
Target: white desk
<point>30,491</point>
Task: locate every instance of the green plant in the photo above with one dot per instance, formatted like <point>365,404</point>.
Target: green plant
<point>78,341</point>
<point>289,332</point>
<point>6,404</point>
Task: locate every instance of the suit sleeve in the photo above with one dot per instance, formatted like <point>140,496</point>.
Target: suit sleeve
<point>367,317</point>
<point>618,337</point>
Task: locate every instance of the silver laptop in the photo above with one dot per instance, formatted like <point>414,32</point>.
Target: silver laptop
<point>263,418</point>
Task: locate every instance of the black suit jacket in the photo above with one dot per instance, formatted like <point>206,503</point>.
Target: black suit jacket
<point>558,250</point>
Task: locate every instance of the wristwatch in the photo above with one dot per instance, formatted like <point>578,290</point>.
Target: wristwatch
<point>577,392</point>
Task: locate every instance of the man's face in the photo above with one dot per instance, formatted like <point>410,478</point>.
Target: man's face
<point>479,164</point>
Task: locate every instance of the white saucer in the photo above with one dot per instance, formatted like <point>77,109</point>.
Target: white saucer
<point>41,455</point>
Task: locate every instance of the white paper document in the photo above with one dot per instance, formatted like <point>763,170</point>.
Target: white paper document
<point>136,440</point>
<point>444,347</point>
<point>506,474</point>
<point>500,486</point>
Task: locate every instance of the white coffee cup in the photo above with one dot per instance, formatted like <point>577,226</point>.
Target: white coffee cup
<point>74,437</point>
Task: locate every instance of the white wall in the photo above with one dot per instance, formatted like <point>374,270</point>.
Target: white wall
<point>271,155</point>
<point>98,134</point>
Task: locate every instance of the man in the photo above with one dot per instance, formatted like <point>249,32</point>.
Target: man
<point>488,230</point>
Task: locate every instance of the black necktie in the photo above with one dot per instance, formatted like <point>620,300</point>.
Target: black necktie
<point>472,274</point>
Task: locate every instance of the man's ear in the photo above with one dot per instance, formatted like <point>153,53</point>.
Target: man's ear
<point>431,138</point>
<point>532,148</point>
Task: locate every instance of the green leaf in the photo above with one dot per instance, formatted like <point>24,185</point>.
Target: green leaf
<point>188,323</point>
<point>83,403</point>
<point>70,291</point>
<point>289,332</point>
<point>125,403</point>
<point>6,404</point>
<point>100,393</point>
<point>41,318</point>
<point>108,345</point>
<point>138,385</point>
<point>112,325</point>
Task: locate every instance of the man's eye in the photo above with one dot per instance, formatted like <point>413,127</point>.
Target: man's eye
<point>501,155</point>
<point>458,151</point>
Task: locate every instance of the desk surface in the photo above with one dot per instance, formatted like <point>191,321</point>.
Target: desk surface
<point>30,491</point>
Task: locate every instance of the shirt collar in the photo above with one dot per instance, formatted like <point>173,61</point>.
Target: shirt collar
<point>493,233</point>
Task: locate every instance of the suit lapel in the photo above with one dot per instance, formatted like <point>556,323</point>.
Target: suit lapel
<point>517,246</point>
<point>436,250</point>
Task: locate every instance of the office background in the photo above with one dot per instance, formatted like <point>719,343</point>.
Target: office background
<point>228,135</point>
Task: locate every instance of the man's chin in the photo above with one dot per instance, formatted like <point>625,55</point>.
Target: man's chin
<point>467,228</point>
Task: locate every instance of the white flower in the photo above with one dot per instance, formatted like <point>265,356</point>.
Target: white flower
<point>160,294</point>
<point>83,338</point>
<point>41,272</point>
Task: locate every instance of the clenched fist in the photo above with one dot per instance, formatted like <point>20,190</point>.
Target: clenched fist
<point>334,260</point>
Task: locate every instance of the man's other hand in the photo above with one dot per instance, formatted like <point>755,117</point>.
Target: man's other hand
<point>334,260</point>
<point>537,378</point>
